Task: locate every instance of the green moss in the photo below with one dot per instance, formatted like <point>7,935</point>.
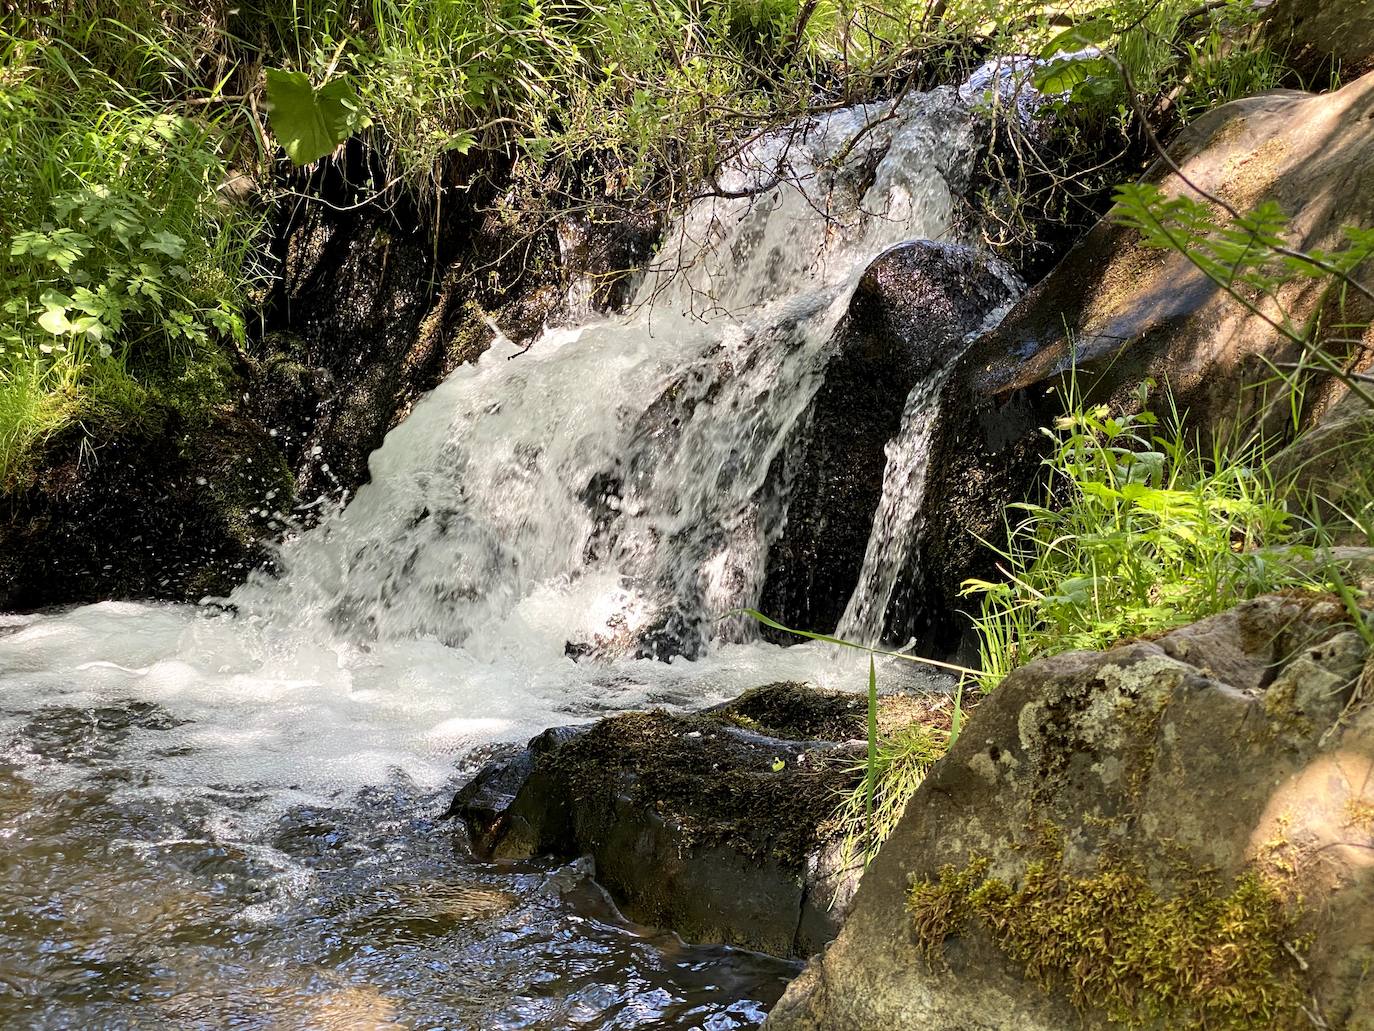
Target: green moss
<point>1280,705</point>
<point>1206,957</point>
<point>715,787</point>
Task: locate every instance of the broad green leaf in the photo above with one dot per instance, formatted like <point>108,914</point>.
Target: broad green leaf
<point>165,243</point>
<point>341,108</point>
<point>54,320</point>
<point>296,117</point>
<point>310,123</point>
<point>1079,37</point>
<point>1063,75</point>
<point>54,300</point>
<point>461,142</point>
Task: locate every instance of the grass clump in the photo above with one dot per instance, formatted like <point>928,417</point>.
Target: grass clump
<point>1210,956</point>
<point>900,763</point>
<point>1148,533</point>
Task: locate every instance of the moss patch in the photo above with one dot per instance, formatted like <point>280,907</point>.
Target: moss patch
<point>1208,957</point>
<point>797,712</point>
<point>717,787</point>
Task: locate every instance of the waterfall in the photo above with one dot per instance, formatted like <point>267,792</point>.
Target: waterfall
<point>611,490</point>
<point>624,465</point>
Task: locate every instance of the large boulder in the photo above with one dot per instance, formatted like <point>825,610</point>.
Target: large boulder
<point>1169,834</point>
<point>1333,464</point>
<point>719,825</point>
<point>908,318</point>
<point>1115,313</point>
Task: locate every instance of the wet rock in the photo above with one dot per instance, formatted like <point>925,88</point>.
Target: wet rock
<point>179,514</point>
<point>718,825</point>
<point>1235,754</point>
<point>377,305</point>
<point>907,320</point>
<point>1114,313</point>
<point>601,252</point>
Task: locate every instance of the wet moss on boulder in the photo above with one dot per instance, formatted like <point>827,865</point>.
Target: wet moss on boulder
<point>720,824</point>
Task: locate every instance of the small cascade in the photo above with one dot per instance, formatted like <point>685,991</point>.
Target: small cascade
<point>613,489</point>
<point>894,542</point>
<point>897,524</point>
<point>624,465</point>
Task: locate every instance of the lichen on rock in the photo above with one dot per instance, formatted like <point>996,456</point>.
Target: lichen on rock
<point>1168,834</point>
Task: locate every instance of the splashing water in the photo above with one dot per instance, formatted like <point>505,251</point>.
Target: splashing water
<point>610,488</point>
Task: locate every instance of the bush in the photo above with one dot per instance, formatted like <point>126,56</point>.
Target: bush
<point>123,272</point>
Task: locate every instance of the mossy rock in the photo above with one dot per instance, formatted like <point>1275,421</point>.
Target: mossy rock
<point>720,824</point>
<point>1171,834</point>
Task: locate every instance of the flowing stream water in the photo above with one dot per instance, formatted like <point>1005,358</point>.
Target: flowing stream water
<point>224,815</point>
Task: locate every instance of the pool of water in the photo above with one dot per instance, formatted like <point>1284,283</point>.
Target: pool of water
<point>121,909</point>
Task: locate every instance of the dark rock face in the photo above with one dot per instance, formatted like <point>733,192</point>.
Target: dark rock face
<point>717,825</point>
<point>1115,313</point>
<point>906,321</point>
<point>375,307</point>
<point>181,514</point>
<point>1227,749</point>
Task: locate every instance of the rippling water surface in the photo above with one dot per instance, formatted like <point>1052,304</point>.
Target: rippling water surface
<point>123,910</point>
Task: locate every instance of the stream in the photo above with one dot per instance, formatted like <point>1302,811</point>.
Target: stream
<point>224,815</point>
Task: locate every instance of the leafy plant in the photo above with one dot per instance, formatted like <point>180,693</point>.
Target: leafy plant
<point>124,275</point>
<point>308,122</point>
<point>1139,532</point>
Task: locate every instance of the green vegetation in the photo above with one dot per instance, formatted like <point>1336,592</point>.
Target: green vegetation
<point>122,274</point>
<point>896,766</point>
<point>1140,531</point>
<point>1210,956</point>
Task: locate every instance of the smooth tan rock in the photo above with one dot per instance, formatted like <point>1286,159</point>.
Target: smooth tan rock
<point>1115,313</point>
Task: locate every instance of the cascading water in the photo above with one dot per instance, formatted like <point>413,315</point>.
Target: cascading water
<point>195,796</point>
<point>897,524</point>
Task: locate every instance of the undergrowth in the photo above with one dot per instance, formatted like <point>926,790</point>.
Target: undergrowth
<point>130,264</point>
<point>124,278</point>
<point>1140,531</point>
